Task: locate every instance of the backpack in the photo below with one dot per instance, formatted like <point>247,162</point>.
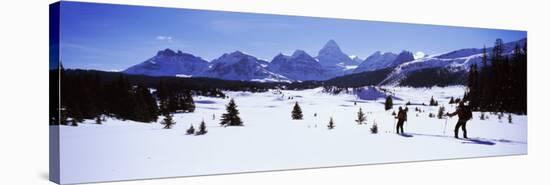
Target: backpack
<point>467,113</point>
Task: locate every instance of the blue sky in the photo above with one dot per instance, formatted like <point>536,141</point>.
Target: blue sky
<point>115,37</point>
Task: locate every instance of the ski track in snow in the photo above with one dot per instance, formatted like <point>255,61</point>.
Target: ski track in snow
<point>270,140</point>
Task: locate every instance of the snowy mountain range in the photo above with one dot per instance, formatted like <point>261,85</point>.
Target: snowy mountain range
<point>329,63</point>
<point>300,66</point>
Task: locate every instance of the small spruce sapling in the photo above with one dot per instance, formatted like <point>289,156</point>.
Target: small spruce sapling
<point>374,128</point>
<point>202,129</point>
<point>331,124</point>
<point>98,120</point>
<point>360,117</point>
<point>168,121</point>
<point>191,130</point>
<point>74,123</point>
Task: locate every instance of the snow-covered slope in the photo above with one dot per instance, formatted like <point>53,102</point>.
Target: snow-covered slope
<point>300,66</point>
<point>271,140</point>
<point>240,66</point>
<point>170,63</point>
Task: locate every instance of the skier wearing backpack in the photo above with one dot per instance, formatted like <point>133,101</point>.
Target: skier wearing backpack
<point>464,114</point>
<point>401,118</point>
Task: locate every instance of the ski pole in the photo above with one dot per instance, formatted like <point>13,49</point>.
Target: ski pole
<point>444,129</point>
<point>394,125</point>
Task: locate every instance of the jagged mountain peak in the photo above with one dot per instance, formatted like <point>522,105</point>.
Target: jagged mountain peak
<point>334,60</point>
<point>331,47</point>
<point>405,56</point>
<point>166,52</point>
<point>174,53</point>
<point>299,53</point>
<point>168,62</point>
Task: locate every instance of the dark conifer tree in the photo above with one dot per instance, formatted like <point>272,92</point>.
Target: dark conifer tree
<point>202,129</point>
<point>63,117</point>
<point>188,103</point>
<point>145,106</point>
<point>297,112</point>
<point>162,95</point>
<point>389,103</point>
<point>374,129</point>
<point>331,124</point>
<point>360,117</point>
<point>191,130</point>
<point>168,121</point>
<point>98,120</point>
<point>231,118</point>
<point>74,123</point>
<point>433,102</point>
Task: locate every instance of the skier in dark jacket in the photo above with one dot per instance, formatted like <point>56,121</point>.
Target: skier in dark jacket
<point>401,118</point>
<point>464,114</point>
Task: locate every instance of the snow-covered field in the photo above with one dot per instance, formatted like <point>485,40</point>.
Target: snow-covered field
<point>270,140</point>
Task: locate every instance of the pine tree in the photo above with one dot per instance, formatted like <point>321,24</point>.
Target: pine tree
<point>452,100</point>
<point>331,124</point>
<point>433,102</point>
<point>458,100</point>
<point>360,117</point>
<point>168,121</point>
<point>441,112</point>
<point>231,118</point>
<point>63,120</point>
<point>389,103</point>
<point>191,130</point>
<point>98,120</point>
<point>163,94</point>
<point>297,112</point>
<point>74,122</point>
<point>374,128</point>
<point>202,129</point>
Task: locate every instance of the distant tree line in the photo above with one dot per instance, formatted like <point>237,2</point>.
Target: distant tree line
<point>86,96</point>
<point>90,96</point>
<point>501,85</point>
